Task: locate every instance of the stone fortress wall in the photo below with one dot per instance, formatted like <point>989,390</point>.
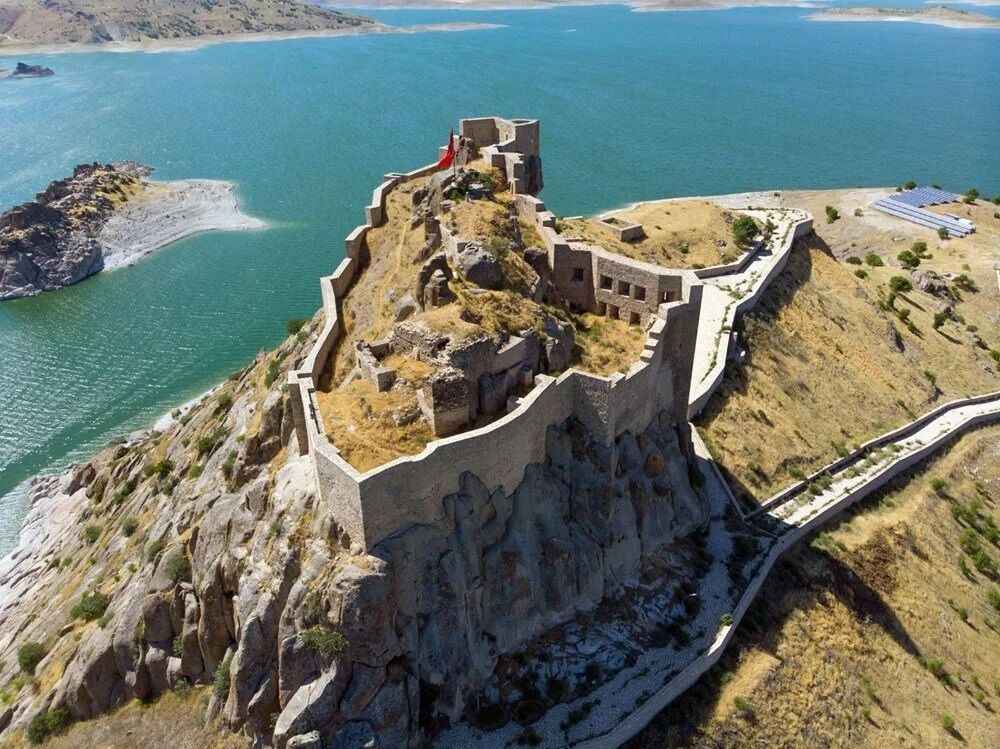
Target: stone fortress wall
<point>374,505</point>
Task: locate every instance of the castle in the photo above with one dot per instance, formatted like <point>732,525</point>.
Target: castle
<point>511,378</point>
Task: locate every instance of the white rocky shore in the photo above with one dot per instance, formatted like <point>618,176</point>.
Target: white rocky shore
<point>170,211</point>
<point>105,216</point>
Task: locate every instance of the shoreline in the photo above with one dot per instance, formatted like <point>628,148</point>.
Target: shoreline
<point>194,43</point>
<point>893,15</point>
<point>169,212</point>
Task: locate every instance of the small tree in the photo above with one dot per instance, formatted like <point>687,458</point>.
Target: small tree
<point>909,185</point>
<point>908,259</point>
<point>873,260</point>
<point>30,655</point>
<point>943,234</point>
<point>832,214</point>
<point>900,285</point>
<point>744,230</point>
<point>919,248</point>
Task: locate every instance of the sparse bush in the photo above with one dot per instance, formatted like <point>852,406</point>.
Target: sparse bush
<point>296,324</point>
<point>940,318</point>
<point>971,195</point>
<point>220,683</point>
<point>832,214</point>
<point>858,213</point>
<point>327,642</point>
<point>726,620</point>
<point>30,655</point>
<point>91,533</point>
<point>223,403</point>
<point>179,567</point>
<point>195,471</point>
<point>129,526</point>
<point>873,260</point>
<point>943,234</point>
<point>939,486</point>
<point>993,596</point>
<point>229,465</point>
<point>948,723</point>
<point>161,468</point>
<point>154,549</point>
<point>744,230</point>
<point>208,442</point>
<point>273,369</point>
<point>919,248</point>
<point>861,273</point>
<point>48,723</point>
<point>853,260</point>
<point>909,185</point>
<point>965,283</point>
<point>743,706</point>
<point>908,259</point>
<point>91,606</point>
<point>900,284</point>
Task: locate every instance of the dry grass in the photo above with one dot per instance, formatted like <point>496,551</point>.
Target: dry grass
<point>679,234</point>
<point>359,421</point>
<point>174,720</point>
<point>823,373</point>
<point>606,346</point>
<point>850,619</point>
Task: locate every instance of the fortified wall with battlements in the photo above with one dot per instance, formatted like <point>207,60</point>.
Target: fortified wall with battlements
<point>373,505</point>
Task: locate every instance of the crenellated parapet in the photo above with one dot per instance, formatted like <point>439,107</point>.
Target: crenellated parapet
<point>372,505</point>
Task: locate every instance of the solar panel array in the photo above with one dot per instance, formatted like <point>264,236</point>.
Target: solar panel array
<point>894,207</point>
<point>921,196</point>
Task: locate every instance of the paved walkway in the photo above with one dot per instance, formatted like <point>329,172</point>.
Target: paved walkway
<point>725,297</point>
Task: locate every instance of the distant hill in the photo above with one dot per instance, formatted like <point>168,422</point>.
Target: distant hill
<point>100,21</point>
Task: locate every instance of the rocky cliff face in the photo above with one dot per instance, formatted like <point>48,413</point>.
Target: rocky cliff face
<point>202,555</point>
<point>51,242</point>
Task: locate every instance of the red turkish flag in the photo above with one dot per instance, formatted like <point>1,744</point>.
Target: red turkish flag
<point>449,155</point>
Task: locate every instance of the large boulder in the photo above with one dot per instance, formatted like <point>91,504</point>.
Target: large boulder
<point>478,265</point>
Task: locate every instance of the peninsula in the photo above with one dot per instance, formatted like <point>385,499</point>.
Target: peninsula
<point>102,217</point>
<point>935,15</point>
<point>522,478</point>
<point>35,22</point>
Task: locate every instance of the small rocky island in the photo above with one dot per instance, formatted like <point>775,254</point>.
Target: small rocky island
<point>23,70</point>
<point>105,216</point>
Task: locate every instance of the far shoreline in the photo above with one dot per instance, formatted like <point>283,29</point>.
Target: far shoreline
<point>194,43</point>
<point>928,17</point>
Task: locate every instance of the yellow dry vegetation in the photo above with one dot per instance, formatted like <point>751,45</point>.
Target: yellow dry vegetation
<point>830,368</point>
<point>869,635</point>
<point>679,233</point>
<point>360,422</point>
<point>605,345</point>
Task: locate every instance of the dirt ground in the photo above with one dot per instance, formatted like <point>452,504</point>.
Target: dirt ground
<point>830,364</point>
<point>679,234</point>
<point>869,636</point>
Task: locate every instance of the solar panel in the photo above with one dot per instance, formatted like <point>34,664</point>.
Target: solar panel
<point>904,210</point>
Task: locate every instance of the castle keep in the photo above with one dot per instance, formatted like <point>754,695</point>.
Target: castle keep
<point>490,400</point>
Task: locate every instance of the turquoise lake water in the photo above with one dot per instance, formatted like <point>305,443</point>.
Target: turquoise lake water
<point>633,106</point>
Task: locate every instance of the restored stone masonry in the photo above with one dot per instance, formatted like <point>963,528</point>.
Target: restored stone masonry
<point>369,507</point>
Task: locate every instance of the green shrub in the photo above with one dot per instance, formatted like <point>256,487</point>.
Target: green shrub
<point>943,233</point>
<point>900,284</point>
<point>154,549</point>
<point>993,596</point>
<point>91,606</point>
<point>861,273</point>
<point>129,526</point>
<point>940,318</point>
<point>220,684</point>
<point>228,465</point>
<point>208,442</point>
<point>908,259</point>
<point>273,369</point>
<point>873,260</point>
<point>726,620</point>
<point>744,230</point>
<point>743,706</point>
<point>909,185</point>
<point>832,214</point>
<point>30,655</point>
<point>327,642</point>
<point>161,468</point>
<point>296,324</point>
<point>223,403</point>
<point>965,283</point>
<point>919,248</point>
<point>948,723</point>
<point>853,260</point>
<point>179,567</point>
<point>91,533</point>
<point>971,194</point>
<point>123,491</point>
<point>939,486</point>
<point>195,470</point>
<point>48,723</point>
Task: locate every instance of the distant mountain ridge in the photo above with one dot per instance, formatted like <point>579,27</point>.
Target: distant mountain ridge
<point>101,21</point>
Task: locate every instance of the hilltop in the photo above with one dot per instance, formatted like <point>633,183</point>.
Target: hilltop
<point>34,22</point>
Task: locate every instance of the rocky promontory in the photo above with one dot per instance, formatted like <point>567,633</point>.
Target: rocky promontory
<point>102,216</point>
<point>23,70</point>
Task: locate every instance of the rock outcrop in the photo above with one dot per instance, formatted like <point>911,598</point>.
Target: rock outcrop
<point>52,242</point>
<point>219,565</point>
<point>23,70</point>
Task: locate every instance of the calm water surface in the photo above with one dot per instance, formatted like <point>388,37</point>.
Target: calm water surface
<point>632,105</point>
